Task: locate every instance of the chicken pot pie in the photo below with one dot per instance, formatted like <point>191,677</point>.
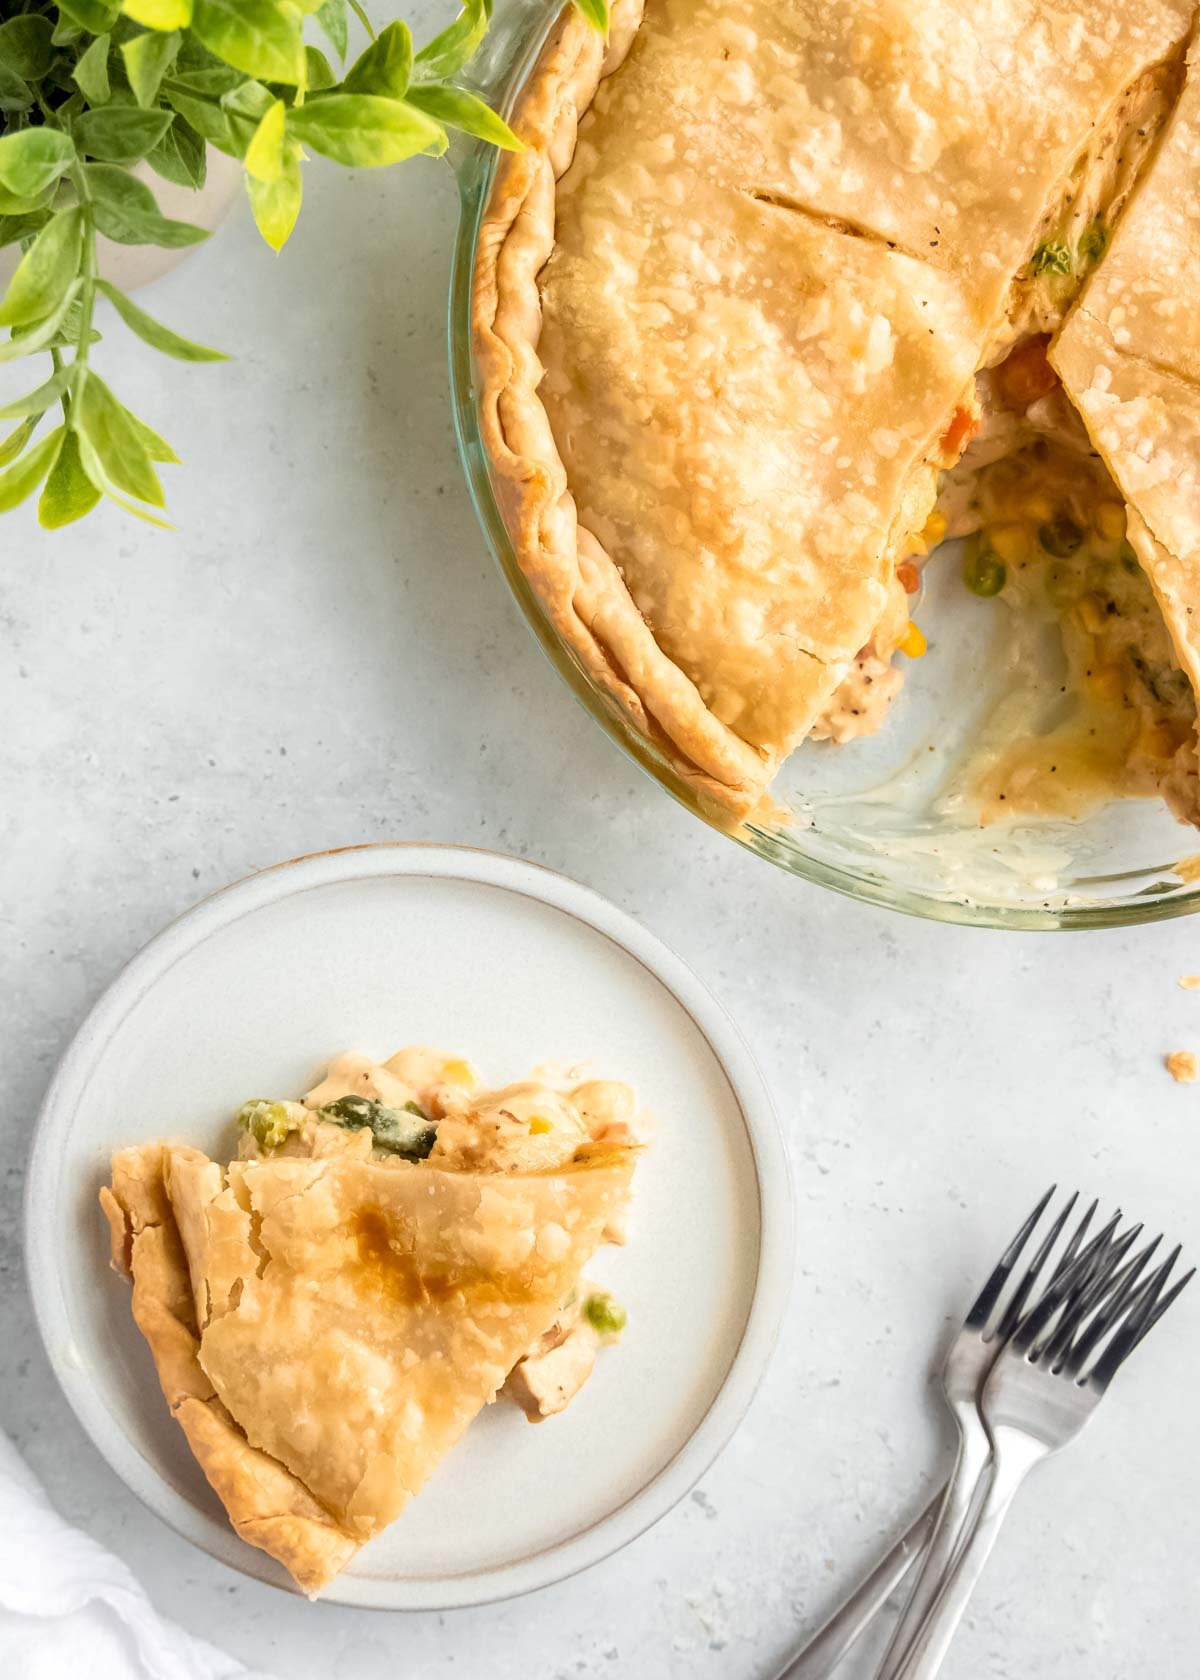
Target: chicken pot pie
<point>329,1312</point>
<point>776,290</point>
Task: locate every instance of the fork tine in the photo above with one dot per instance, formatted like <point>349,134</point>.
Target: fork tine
<point>1072,1248</point>
<point>1080,1270</point>
<point>1014,1309</point>
<point>1085,1297</point>
<point>1103,1305</point>
<point>1175,1290</point>
<point>1145,1309</point>
<point>982,1310</point>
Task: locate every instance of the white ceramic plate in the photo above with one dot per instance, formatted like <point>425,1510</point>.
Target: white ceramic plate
<point>374,948</point>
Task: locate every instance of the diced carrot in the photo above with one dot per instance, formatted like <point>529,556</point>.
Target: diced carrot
<point>1026,375</point>
<point>909,577</point>
<point>958,434</point>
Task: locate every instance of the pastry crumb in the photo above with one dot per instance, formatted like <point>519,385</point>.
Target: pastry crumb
<point>1183,1067</point>
<point>1190,982</point>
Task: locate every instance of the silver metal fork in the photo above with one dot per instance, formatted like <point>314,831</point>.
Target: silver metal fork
<point>936,1537</point>
<point>1043,1387</point>
<point>936,1533</point>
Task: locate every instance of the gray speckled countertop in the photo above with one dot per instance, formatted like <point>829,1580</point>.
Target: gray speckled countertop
<point>325,654</point>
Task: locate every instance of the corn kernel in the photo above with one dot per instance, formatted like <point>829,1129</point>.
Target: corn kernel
<point>1091,615</point>
<point>1110,521</point>
<point>1011,543</point>
<point>1037,507</point>
<point>935,530</point>
<point>458,1073</point>
<point>539,1126</point>
<point>912,642</point>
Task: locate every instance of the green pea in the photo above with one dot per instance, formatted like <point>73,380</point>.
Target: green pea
<point>269,1123</point>
<point>1060,536</point>
<point>605,1313</point>
<point>984,573</point>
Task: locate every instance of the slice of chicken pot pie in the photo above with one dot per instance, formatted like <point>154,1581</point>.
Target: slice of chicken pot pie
<point>731,304</point>
<point>329,1312</point>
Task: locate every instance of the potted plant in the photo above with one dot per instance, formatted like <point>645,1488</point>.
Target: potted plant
<point>100,98</point>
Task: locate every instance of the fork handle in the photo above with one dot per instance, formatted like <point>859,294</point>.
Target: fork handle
<point>1015,1456</point>
<point>968,1476</point>
<point>854,1615</point>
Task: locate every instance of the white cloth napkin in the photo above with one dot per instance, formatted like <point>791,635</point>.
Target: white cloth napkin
<point>70,1608</point>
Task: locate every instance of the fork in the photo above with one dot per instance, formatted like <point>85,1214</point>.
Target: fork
<point>938,1528</point>
<point>976,1347</point>
<point>1043,1386</point>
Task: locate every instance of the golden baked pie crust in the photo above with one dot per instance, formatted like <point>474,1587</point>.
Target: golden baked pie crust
<point>724,719</point>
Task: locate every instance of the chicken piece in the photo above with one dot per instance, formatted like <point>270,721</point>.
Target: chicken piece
<point>551,1374</point>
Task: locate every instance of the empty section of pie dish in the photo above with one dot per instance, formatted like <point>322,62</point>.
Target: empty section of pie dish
<point>254,990</point>
<point>891,818</point>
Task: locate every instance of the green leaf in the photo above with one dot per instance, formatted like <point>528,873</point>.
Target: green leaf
<point>15,96</point>
<point>207,120</point>
<point>362,130</point>
<point>121,133</point>
<point>147,59</point>
<point>450,50</point>
<point>125,210</point>
<point>25,46</point>
<point>37,402</point>
<point>31,468</point>
<point>93,15</point>
<point>276,204</point>
<point>11,205</point>
<point>33,160</point>
<point>265,155</point>
<point>596,12</point>
<point>141,513</point>
<point>15,229</point>
<point>91,72</point>
<point>68,493</point>
<point>12,445</point>
<point>319,73</point>
<point>43,334</point>
<point>110,447</point>
<point>459,109</point>
<point>261,37</point>
<point>209,83</point>
<point>251,100</point>
<point>156,447</point>
<point>180,156</point>
<point>153,332</point>
<point>45,272</point>
<point>386,66</point>
<point>332,18</point>
<point>159,14</point>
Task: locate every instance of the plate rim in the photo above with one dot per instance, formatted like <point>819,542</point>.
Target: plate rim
<point>771,1165</point>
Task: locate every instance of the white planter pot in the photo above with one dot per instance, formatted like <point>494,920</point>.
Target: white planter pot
<point>131,266</point>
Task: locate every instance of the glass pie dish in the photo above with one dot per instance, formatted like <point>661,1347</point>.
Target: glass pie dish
<point>886,819</point>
